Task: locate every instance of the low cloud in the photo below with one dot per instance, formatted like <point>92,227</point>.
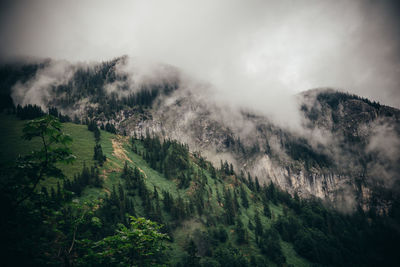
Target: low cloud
<point>134,74</point>
<point>384,143</point>
<point>38,90</point>
<point>231,56</point>
<point>255,54</point>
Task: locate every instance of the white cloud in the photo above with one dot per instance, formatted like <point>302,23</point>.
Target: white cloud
<point>255,53</point>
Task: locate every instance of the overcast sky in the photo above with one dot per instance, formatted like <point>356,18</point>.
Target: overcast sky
<point>256,52</point>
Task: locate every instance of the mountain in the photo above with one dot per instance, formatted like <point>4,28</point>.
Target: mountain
<point>203,169</point>
<point>338,151</point>
<point>336,155</point>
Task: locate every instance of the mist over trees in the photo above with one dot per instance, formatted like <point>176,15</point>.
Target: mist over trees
<point>212,133</point>
<point>239,216</point>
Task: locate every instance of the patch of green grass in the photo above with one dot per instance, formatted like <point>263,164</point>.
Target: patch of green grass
<point>112,180</point>
<point>153,177</point>
<point>91,194</point>
<point>12,145</point>
<point>276,210</point>
<point>82,147</point>
<point>11,142</point>
<point>291,256</point>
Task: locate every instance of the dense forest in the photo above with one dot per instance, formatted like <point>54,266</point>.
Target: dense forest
<point>87,82</point>
<point>163,205</point>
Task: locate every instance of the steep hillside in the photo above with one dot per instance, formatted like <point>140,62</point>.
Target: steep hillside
<point>338,154</point>
<point>187,220</point>
<point>344,149</point>
<point>12,145</point>
<point>213,216</point>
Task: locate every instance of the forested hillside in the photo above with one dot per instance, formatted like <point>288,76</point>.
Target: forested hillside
<point>337,150</point>
<point>145,200</point>
<point>200,133</point>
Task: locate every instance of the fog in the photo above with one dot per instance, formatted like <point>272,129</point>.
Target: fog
<point>254,53</point>
<point>230,57</point>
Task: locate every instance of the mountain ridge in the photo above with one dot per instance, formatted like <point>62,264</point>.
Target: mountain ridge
<point>314,161</point>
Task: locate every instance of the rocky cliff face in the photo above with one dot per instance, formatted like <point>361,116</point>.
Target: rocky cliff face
<point>345,150</point>
<point>340,167</point>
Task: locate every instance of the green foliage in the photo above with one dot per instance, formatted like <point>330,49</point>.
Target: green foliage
<point>267,211</point>
<point>243,196</point>
<point>300,150</point>
<point>241,232</point>
<point>55,142</point>
<point>192,259</point>
<point>140,244</point>
<point>270,246</point>
<point>29,112</point>
<point>226,168</point>
<point>12,146</point>
<point>229,206</point>
<point>42,164</point>
<point>110,128</point>
<point>258,230</point>
<point>170,158</point>
<point>53,227</point>
<point>220,234</point>
<point>230,257</point>
<point>53,111</point>
<point>98,154</point>
<point>85,178</point>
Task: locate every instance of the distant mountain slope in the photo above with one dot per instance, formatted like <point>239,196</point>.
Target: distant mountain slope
<point>339,153</point>
<point>346,151</point>
<point>213,215</point>
<point>185,219</point>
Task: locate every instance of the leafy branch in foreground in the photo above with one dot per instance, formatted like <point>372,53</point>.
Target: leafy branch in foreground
<point>140,244</point>
<point>40,164</point>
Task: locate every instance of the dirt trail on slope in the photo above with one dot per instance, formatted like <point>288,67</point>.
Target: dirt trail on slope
<point>119,151</point>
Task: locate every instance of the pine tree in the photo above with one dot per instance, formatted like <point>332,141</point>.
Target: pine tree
<point>229,208</point>
<point>235,201</point>
<point>267,211</point>
<point>231,171</point>
<point>259,228</point>
<point>213,172</point>
<point>98,154</point>
<point>250,182</point>
<point>167,201</point>
<point>243,196</point>
<point>257,185</point>
<point>240,231</point>
<point>192,259</point>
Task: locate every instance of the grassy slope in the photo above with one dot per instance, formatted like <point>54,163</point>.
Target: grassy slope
<point>82,147</point>
<point>12,145</point>
<point>182,234</point>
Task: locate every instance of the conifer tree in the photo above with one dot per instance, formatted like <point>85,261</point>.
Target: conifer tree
<point>229,207</point>
<point>258,228</point>
<point>267,211</point>
<point>257,185</point>
<point>243,196</point>
<point>240,231</point>
<point>250,182</point>
<point>192,259</point>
